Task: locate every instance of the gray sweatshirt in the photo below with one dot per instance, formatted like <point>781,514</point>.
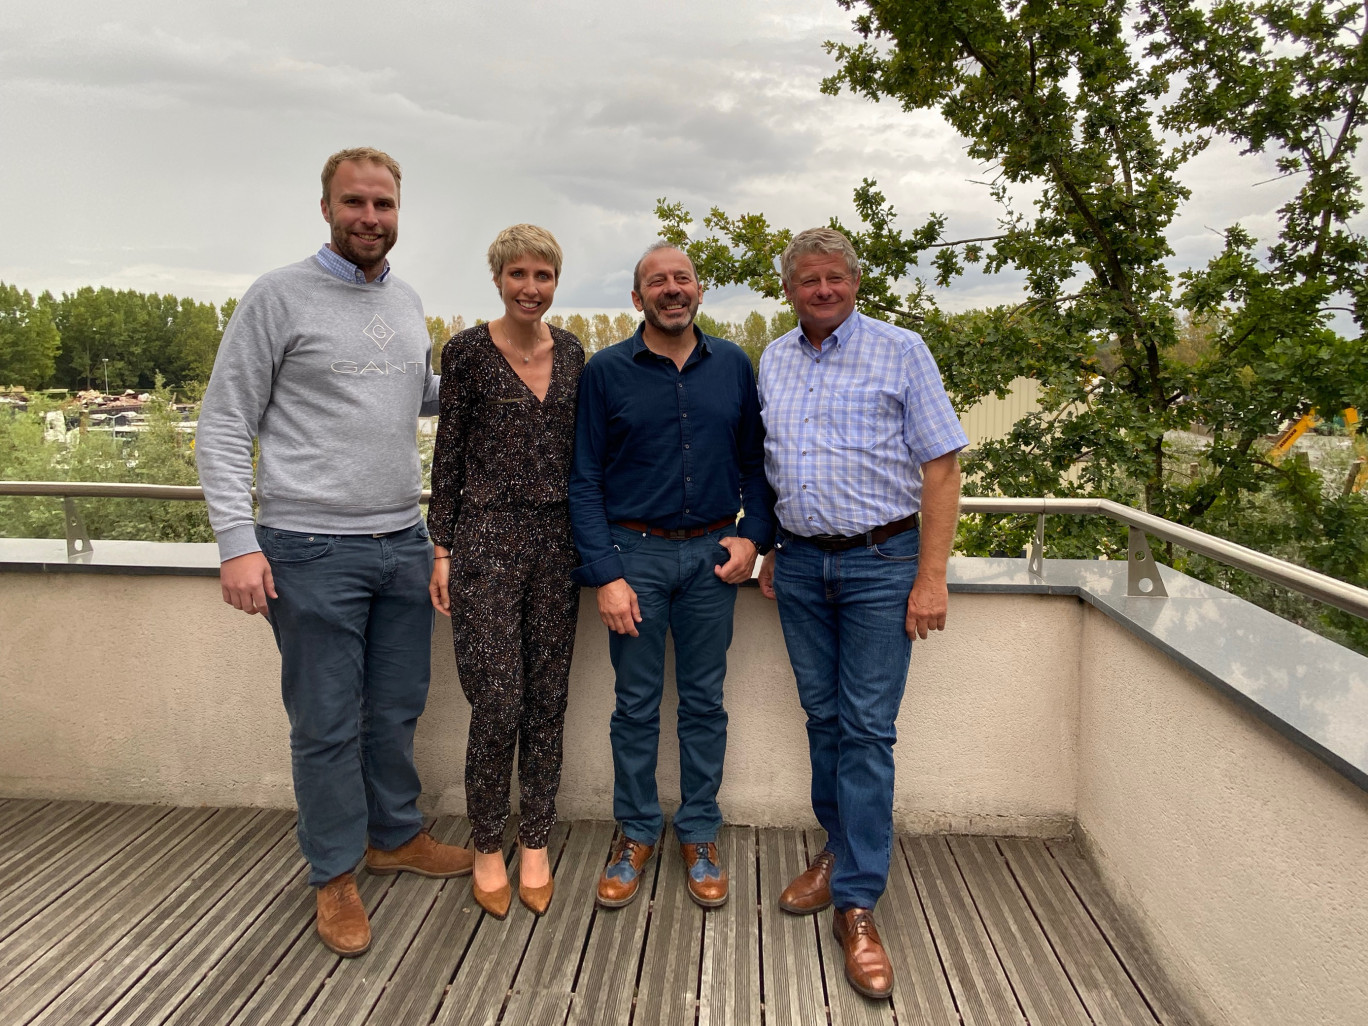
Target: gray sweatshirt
<point>331,378</point>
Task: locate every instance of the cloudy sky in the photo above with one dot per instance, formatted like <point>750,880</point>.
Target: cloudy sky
<point>175,147</point>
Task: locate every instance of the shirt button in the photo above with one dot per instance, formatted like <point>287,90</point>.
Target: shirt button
<point>804,487</point>
<point>683,414</point>
<point>686,511</point>
<point>804,451</point>
<point>686,445</point>
<point>819,360</point>
<point>690,479</point>
<point>809,390</point>
<point>809,518</point>
<point>805,420</point>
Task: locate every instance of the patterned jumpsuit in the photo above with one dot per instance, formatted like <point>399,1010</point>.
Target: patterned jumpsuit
<point>500,472</point>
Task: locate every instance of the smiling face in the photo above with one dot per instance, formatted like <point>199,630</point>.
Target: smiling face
<point>669,291</point>
<point>822,291</point>
<point>526,285</point>
<point>363,208</point>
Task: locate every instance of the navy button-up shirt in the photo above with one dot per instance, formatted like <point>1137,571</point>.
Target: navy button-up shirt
<point>669,447</point>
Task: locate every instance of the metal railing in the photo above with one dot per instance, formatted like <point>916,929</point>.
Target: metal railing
<point>1143,575</point>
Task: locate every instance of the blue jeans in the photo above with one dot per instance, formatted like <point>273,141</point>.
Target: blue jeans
<point>844,619</point>
<point>676,590</point>
<point>354,626</point>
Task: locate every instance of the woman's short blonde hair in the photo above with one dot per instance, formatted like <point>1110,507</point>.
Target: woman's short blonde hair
<point>520,239</point>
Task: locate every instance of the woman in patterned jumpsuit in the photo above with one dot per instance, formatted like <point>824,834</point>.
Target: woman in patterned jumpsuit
<point>501,528</point>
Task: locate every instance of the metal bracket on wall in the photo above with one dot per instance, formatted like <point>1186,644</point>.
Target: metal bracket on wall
<point>1142,574</point>
<point>1035,563</point>
<point>79,548</point>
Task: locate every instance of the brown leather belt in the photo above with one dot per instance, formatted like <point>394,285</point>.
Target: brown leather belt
<point>679,534</point>
<point>879,535</point>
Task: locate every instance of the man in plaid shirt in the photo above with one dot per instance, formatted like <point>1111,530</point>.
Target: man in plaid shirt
<point>861,448</point>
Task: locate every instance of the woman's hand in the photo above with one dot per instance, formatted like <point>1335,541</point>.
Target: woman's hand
<point>439,585</point>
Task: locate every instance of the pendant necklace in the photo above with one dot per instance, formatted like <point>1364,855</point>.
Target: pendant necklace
<point>526,357</point>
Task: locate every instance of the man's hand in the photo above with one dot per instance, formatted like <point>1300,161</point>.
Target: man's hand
<point>246,582</point>
<point>767,575</point>
<point>742,562</point>
<point>439,584</point>
<point>926,607</point>
<point>618,607</point>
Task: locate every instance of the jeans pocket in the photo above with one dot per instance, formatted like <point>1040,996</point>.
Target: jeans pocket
<point>295,547</point>
<point>624,539</point>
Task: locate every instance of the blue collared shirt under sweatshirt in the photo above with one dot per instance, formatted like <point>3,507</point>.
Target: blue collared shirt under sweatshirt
<point>669,447</point>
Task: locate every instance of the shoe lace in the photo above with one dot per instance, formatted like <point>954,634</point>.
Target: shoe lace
<point>861,923</point>
<point>625,850</point>
<point>701,854</point>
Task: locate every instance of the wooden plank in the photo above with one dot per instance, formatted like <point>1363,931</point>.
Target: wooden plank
<point>234,980</point>
<point>544,989</point>
<point>356,984</point>
<point>90,841</point>
<point>667,991</point>
<point>608,974</point>
<point>481,985</point>
<point>921,993</point>
<point>1099,978</point>
<point>167,985</point>
<point>1125,940</point>
<point>789,949</point>
<point>46,832</point>
<point>977,981</point>
<point>76,947</point>
<point>1042,986</point>
<point>420,982</point>
<point>239,847</point>
<point>729,977</point>
<point>85,904</point>
<point>14,811</point>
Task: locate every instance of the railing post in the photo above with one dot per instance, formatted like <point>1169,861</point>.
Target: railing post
<point>1142,574</point>
<point>1035,564</point>
<point>79,548</point>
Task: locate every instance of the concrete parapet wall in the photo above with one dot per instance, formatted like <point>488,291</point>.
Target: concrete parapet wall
<point>150,689</point>
<point>1244,858</point>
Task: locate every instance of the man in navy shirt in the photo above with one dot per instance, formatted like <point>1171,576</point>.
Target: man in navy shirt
<point>669,447</point>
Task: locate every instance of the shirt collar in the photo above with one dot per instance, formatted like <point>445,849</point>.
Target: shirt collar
<point>340,267</point>
<point>702,347</point>
<point>841,335</point>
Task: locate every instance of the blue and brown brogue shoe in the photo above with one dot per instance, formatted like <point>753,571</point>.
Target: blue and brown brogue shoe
<point>707,879</point>
<point>621,878</point>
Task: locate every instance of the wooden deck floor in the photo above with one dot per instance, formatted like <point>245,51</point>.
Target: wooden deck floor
<point>147,915</point>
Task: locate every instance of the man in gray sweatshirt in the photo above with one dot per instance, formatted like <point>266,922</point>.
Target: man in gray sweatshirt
<point>327,364</point>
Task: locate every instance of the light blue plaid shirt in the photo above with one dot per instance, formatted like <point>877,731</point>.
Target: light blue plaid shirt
<point>340,267</point>
<point>847,428</point>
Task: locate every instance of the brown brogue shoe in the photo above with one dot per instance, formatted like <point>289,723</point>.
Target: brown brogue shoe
<point>810,890</point>
<point>495,902</point>
<point>423,855</point>
<point>707,879</point>
<point>866,963</point>
<point>341,920</point>
<point>621,878</point>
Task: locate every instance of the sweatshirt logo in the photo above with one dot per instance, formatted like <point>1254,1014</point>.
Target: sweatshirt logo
<point>379,332</point>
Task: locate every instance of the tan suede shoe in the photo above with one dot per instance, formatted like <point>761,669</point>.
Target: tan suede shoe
<point>866,963</point>
<point>810,890</point>
<point>341,920</point>
<point>422,855</point>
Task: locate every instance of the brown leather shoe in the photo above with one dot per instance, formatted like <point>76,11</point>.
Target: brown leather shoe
<point>707,879</point>
<point>866,963</point>
<point>810,890</point>
<point>494,902</point>
<point>621,878</point>
<point>341,920</point>
<point>422,855</point>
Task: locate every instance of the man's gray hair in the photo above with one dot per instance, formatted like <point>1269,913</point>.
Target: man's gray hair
<point>817,241</point>
<point>655,247</point>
